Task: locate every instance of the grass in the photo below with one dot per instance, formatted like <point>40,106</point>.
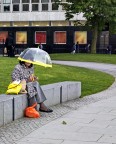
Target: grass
<point>99,58</point>
<point>92,81</point>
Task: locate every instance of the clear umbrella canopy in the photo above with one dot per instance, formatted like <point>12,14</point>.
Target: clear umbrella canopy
<point>36,56</point>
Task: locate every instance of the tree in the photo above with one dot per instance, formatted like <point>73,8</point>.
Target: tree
<point>98,13</point>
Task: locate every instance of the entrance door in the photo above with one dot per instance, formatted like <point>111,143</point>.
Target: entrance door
<point>104,41</point>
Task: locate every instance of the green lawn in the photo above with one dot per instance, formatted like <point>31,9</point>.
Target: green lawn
<point>99,58</point>
<point>92,81</point>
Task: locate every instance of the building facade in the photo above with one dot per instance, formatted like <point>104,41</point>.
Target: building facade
<point>42,21</point>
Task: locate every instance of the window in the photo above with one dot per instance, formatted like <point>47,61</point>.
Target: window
<point>35,7</point>
<point>0,5</point>
<point>40,23</point>
<point>4,24</point>
<point>34,1</point>
<point>25,7</point>
<point>15,1</point>
<point>59,23</point>
<point>21,37</point>
<point>54,5</point>
<point>21,23</point>
<point>44,1</point>
<point>81,37</point>
<point>6,8</point>
<point>15,7</point>
<point>25,1</point>
<point>40,37</point>
<point>44,5</point>
<point>6,1</point>
<point>3,36</point>
<point>63,0</point>
<point>60,37</point>
<point>104,39</point>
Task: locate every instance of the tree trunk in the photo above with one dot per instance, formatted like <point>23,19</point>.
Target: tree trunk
<point>94,39</point>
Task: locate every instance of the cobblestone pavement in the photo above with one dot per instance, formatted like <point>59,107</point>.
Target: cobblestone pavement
<point>11,133</point>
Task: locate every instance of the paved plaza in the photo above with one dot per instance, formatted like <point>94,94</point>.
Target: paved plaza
<point>90,120</point>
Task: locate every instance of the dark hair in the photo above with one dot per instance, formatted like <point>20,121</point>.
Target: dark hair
<point>22,62</point>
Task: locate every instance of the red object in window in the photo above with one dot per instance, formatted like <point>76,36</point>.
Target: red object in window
<point>60,37</point>
<point>40,37</point>
<point>3,36</point>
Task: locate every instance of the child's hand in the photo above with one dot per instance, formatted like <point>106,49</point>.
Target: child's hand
<point>35,78</point>
<point>31,78</point>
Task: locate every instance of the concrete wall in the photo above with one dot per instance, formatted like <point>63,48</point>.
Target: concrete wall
<point>37,16</point>
<point>12,106</point>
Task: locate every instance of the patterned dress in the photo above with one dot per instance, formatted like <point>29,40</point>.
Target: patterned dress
<point>34,90</point>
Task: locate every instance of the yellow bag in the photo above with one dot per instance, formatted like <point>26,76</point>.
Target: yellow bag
<point>14,87</point>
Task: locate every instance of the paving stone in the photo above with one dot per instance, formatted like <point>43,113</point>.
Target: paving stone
<point>108,139</point>
<point>79,142</point>
<point>40,141</point>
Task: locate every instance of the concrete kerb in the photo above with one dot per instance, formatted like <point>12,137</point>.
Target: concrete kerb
<point>6,109</point>
<point>68,90</point>
<point>12,106</point>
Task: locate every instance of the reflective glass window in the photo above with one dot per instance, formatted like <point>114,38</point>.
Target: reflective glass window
<point>40,37</point>
<point>25,1</point>
<point>15,7</point>
<point>25,7</point>
<point>3,36</point>
<point>54,6</point>
<point>60,37</point>
<point>44,7</point>
<point>34,1</point>
<point>81,37</point>
<point>44,1</point>
<point>21,37</point>
<point>35,7</point>
<point>6,1</point>
<point>6,8</point>
<point>15,1</point>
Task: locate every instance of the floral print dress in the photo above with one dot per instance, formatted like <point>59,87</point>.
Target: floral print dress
<point>20,72</point>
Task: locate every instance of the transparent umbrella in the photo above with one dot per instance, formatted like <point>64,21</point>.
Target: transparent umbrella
<point>36,56</point>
